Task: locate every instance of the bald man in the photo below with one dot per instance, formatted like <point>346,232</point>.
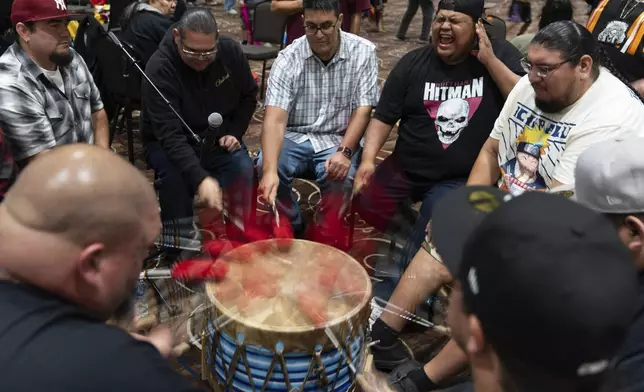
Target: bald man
<point>74,230</point>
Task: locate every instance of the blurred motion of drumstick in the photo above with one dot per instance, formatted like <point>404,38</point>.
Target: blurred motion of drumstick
<point>337,345</point>
<point>387,306</point>
<point>346,203</point>
<point>276,213</point>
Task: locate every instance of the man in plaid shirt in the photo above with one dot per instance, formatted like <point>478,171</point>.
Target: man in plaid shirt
<point>47,95</point>
<point>8,169</point>
<point>321,91</point>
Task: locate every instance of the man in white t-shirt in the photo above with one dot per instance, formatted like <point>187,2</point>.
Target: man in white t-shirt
<point>565,104</point>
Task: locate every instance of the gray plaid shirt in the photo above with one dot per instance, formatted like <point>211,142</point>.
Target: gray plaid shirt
<point>34,114</point>
<point>320,98</point>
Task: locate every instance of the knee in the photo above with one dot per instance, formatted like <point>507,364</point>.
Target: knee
<point>243,163</point>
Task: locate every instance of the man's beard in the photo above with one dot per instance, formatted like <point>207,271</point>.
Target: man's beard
<point>61,59</point>
<point>550,106</point>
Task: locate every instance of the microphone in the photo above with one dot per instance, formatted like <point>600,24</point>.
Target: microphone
<point>214,122</point>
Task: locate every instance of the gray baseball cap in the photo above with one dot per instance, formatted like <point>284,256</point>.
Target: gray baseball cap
<point>609,177</point>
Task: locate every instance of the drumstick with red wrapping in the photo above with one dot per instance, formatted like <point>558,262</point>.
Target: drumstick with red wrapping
<point>190,271</point>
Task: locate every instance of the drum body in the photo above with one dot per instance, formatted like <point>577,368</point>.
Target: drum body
<point>285,320</point>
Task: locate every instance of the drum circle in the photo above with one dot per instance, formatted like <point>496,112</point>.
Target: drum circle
<point>270,337</point>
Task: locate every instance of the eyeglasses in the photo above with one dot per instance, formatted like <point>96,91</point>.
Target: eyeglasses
<point>196,54</point>
<point>325,28</point>
<point>542,71</point>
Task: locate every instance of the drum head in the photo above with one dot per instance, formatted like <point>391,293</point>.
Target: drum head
<point>303,288</point>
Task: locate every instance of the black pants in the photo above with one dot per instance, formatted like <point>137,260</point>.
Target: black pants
<point>233,170</point>
<point>427,7</point>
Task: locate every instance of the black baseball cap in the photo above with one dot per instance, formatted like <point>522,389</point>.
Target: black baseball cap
<point>550,281</point>
<point>474,8</point>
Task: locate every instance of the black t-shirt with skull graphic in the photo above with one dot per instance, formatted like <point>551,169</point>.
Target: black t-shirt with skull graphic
<point>446,112</point>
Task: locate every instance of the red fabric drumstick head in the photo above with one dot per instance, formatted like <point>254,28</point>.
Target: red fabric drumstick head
<point>283,234</point>
<point>197,270</point>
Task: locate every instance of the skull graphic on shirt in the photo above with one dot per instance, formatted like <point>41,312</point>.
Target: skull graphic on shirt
<point>451,118</point>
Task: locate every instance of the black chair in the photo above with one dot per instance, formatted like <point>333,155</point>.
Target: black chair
<point>124,84</point>
<point>268,28</point>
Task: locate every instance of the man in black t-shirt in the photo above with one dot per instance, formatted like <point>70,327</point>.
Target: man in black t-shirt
<point>446,96</point>
<point>74,230</point>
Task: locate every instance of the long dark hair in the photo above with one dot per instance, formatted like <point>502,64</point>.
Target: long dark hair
<point>555,11</point>
<point>574,41</point>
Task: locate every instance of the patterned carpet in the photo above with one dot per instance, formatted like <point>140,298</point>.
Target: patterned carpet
<point>370,247</point>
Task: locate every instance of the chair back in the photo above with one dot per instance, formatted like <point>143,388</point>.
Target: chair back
<point>123,80</point>
<point>116,10</point>
<point>268,26</point>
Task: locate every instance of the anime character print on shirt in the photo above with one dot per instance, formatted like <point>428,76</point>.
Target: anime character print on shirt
<point>532,150</point>
<point>522,172</point>
<point>451,105</point>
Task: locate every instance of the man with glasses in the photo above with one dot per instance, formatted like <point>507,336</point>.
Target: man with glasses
<point>47,94</point>
<point>320,94</point>
<point>199,73</point>
<point>566,103</point>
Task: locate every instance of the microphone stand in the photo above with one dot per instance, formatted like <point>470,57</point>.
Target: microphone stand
<point>118,43</point>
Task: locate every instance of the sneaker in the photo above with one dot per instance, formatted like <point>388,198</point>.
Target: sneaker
<point>399,378</point>
<point>400,38</point>
<point>388,358</point>
<point>232,11</point>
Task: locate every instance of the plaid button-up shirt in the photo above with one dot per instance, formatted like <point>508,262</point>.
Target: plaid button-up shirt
<point>8,169</point>
<point>320,98</point>
<point>34,114</point>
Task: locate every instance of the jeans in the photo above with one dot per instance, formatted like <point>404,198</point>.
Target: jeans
<point>233,170</point>
<point>300,160</point>
<point>427,7</point>
<point>229,5</point>
<point>388,190</point>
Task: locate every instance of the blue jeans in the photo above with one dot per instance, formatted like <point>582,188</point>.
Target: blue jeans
<point>391,191</point>
<point>299,160</point>
<point>229,5</point>
<point>234,172</point>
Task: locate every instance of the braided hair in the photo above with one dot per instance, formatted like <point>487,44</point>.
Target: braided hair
<point>574,41</point>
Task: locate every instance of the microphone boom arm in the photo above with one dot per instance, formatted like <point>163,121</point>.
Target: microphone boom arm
<point>118,43</point>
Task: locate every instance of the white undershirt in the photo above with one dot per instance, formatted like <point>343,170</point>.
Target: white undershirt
<point>55,77</point>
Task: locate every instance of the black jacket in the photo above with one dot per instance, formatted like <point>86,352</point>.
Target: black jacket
<point>144,29</point>
<point>227,86</point>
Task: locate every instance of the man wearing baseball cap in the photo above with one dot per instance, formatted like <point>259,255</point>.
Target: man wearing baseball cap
<point>47,95</point>
<point>544,289</point>
<point>610,180</point>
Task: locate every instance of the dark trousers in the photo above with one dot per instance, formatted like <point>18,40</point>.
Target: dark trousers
<point>233,170</point>
<point>427,7</point>
<point>388,191</point>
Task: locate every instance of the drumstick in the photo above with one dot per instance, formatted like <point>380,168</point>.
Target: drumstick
<point>276,213</point>
<point>189,270</point>
<point>409,316</point>
<point>346,202</point>
<point>336,343</point>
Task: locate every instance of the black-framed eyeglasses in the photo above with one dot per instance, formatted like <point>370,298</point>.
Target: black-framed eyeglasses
<point>198,54</point>
<point>541,71</point>
<point>325,27</point>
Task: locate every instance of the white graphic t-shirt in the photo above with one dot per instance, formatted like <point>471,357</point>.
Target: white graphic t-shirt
<point>536,148</point>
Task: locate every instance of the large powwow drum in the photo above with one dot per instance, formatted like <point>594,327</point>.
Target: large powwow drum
<point>287,319</point>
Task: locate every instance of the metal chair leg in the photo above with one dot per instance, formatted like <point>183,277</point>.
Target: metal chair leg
<point>130,133</point>
<point>114,123</point>
<point>261,91</point>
